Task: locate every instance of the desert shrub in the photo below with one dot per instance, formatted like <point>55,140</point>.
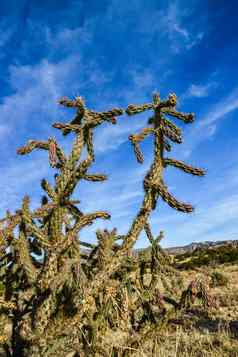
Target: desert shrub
<point>208,257</point>
<point>218,279</point>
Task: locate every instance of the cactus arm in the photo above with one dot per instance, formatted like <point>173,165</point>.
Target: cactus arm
<point>136,109</point>
<point>95,177</point>
<point>172,201</point>
<point>31,145</point>
<point>24,255</point>
<point>186,168</point>
<point>135,139</point>
<point>186,117</point>
<point>31,226</point>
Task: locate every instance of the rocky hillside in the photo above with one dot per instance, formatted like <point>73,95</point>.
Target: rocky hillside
<point>189,248</point>
<point>197,245</point>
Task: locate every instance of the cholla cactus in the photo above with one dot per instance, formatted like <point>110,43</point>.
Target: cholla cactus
<point>41,283</point>
<point>70,291</point>
<point>198,288</point>
<point>163,130</point>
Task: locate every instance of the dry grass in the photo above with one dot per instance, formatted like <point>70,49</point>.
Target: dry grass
<point>197,333</point>
<point>186,343</point>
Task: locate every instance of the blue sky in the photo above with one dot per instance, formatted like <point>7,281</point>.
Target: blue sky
<point>114,53</point>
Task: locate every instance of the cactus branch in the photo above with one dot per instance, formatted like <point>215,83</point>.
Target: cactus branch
<point>186,168</point>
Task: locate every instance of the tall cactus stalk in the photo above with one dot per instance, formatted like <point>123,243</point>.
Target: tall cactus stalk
<point>154,187</point>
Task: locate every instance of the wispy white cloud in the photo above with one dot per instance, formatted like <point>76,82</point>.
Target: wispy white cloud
<point>172,25</point>
<point>68,37</point>
<point>222,108</point>
<point>210,219</point>
<point>36,91</point>
<point>195,40</point>
<point>205,127</point>
<point>30,106</point>
<point>213,218</point>
<point>17,179</point>
<point>199,90</point>
<point>178,34</point>
<point>173,19</point>
<point>142,78</point>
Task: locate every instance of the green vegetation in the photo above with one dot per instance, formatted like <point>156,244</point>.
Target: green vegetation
<point>211,256</point>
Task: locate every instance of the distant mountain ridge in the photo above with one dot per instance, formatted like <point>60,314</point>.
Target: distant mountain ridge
<point>196,245</point>
<point>186,248</point>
